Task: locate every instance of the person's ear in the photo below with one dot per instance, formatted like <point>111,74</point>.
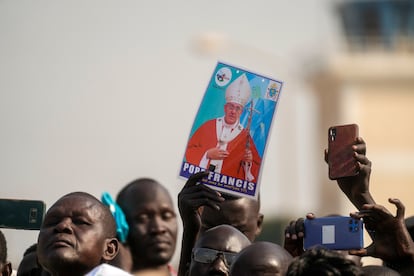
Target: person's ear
<point>7,269</point>
<point>259,224</point>
<point>111,249</point>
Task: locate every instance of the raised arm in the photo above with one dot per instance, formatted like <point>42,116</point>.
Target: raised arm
<point>191,198</point>
<point>356,188</point>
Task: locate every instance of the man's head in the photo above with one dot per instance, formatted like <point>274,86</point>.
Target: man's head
<point>240,212</point>
<point>237,95</point>
<point>215,250</point>
<point>5,266</point>
<point>77,234</point>
<point>149,210</point>
<point>322,261</point>
<point>261,258</point>
<point>232,113</point>
<point>29,266</point>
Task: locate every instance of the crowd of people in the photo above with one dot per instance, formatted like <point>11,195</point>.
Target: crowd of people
<point>137,234</point>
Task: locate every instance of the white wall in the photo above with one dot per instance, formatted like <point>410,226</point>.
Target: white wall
<point>94,94</point>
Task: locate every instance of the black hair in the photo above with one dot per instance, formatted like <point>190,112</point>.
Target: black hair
<point>323,262</point>
<point>3,248</point>
<point>379,270</point>
<point>30,249</point>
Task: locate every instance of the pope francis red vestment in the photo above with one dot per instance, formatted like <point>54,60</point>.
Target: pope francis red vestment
<point>209,135</point>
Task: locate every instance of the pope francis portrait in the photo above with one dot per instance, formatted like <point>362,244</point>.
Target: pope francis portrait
<point>223,144</point>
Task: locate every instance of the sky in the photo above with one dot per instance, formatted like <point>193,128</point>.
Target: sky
<point>94,94</point>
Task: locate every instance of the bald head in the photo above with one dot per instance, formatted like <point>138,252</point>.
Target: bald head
<point>223,237</point>
<point>261,258</point>
<point>138,190</point>
<point>149,211</point>
<point>216,249</point>
<point>105,214</point>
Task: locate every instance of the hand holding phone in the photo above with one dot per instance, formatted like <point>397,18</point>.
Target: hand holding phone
<point>341,160</point>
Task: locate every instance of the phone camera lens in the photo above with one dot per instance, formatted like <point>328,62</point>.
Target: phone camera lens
<point>332,134</point>
<point>33,215</point>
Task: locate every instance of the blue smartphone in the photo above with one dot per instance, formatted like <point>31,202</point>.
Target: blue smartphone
<point>336,233</point>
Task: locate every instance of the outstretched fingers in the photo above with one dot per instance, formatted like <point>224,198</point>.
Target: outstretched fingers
<point>400,207</point>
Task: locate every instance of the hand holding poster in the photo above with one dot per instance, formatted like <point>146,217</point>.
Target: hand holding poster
<point>230,131</point>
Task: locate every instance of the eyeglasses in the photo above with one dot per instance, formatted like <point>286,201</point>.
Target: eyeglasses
<point>207,255</point>
<point>234,107</point>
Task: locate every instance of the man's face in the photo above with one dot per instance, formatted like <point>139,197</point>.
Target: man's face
<point>239,213</point>
<point>208,261</point>
<point>153,226</point>
<point>232,112</point>
<point>72,235</point>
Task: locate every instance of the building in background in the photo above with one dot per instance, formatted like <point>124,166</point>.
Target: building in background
<point>371,82</point>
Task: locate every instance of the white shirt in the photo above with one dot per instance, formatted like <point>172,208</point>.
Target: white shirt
<point>107,270</point>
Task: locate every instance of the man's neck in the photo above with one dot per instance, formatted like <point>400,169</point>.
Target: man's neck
<point>225,124</point>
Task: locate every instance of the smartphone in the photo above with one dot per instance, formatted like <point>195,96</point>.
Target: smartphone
<point>336,233</point>
<point>341,161</point>
<point>21,214</point>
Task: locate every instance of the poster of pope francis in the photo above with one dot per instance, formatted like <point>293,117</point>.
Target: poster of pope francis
<point>230,130</point>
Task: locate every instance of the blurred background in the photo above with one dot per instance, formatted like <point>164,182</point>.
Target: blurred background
<point>94,94</point>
